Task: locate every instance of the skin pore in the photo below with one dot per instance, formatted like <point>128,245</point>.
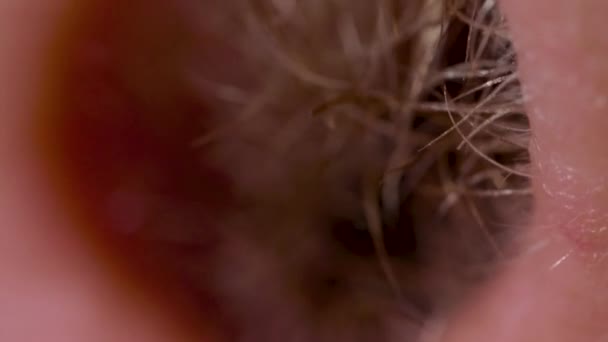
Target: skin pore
<point>52,276</point>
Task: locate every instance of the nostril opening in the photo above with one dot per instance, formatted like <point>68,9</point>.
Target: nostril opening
<point>354,237</point>
<point>137,105</point>
<point>400,241</point>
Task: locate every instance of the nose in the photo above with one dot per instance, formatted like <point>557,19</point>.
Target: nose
<point>58,283</point>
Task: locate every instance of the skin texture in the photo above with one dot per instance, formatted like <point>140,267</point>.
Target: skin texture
<point>59,286</point>
<point>556,291</point>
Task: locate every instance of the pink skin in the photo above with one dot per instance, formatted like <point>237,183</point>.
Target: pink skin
<point>557,290</point>
<point>57,286</point>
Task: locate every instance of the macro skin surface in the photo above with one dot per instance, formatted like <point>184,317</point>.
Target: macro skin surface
<point>119,243</point>
<point>323,170</point>
<point>296,169</point>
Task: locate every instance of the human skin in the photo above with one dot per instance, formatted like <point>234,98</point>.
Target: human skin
<point>59,286</point>
<point>556,291</point>
<point>56,283</point>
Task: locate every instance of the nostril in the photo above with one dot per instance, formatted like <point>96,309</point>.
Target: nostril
<point>354,237</point>
<point>136,105</point>
<point>400,241</point>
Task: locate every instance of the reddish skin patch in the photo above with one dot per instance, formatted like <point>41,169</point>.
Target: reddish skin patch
<point>107,137</point>
<point>110,138</point>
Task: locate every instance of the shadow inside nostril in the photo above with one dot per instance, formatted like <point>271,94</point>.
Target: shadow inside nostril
<point>129,119</point>
<point>354,237</point>
<point>276,179</point>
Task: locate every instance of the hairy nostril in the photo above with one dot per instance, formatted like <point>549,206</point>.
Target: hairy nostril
<point>354,237</point>
<point>324,289</point>
<point>400,241</point>
<point>156,90</point>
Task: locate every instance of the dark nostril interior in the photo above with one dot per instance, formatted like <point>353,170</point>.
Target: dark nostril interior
<point>400,240</point>
<point>354,237</point>
<point>138,97</point>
